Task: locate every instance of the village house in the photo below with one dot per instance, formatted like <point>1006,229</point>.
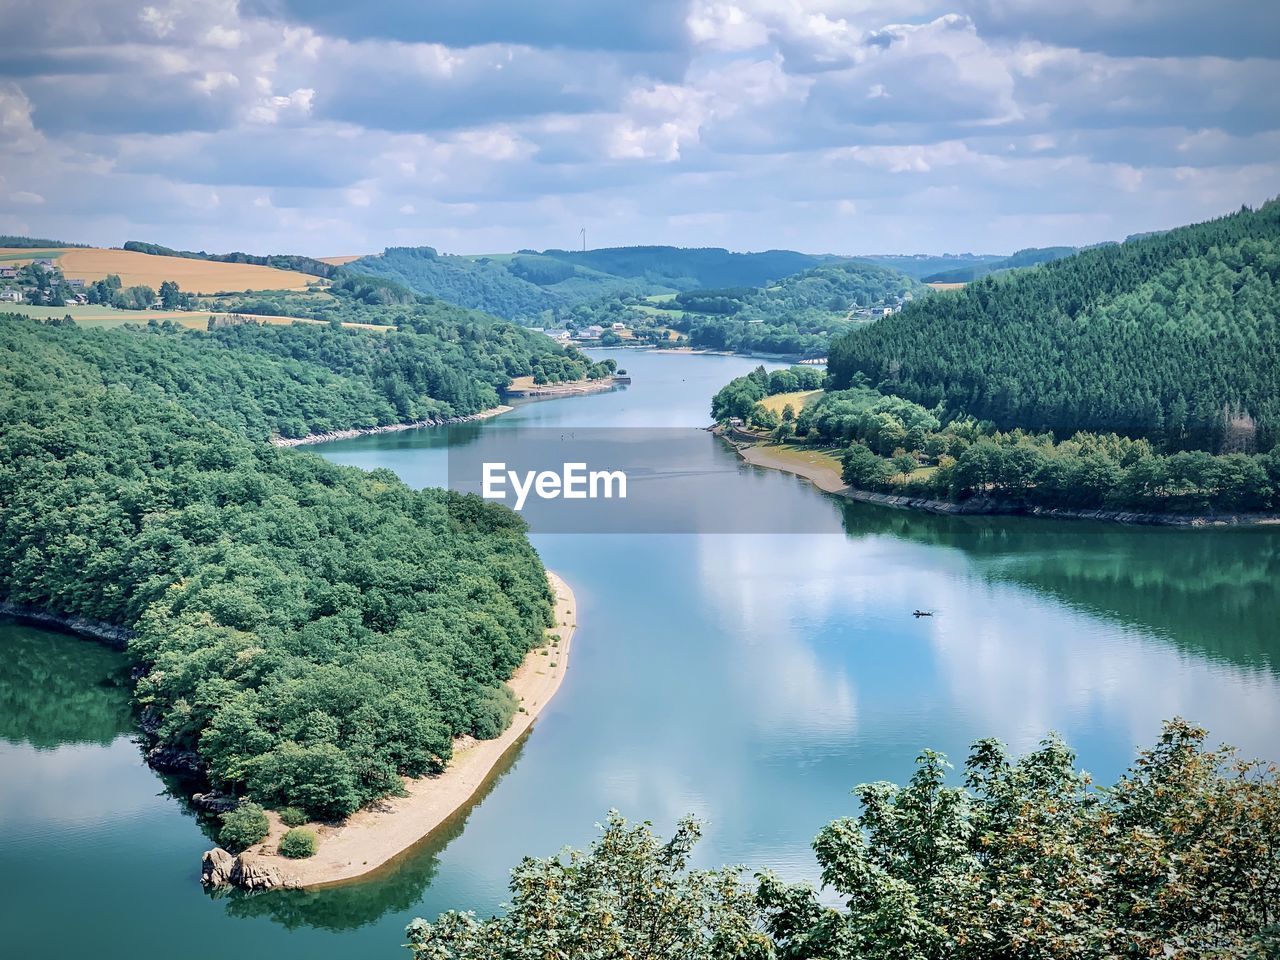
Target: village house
<point>11,296</point>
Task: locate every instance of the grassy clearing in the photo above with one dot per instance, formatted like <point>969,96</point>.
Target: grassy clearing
<point>799,399</point>
<point>947,286</point>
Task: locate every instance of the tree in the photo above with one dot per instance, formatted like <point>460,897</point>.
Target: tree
<point>629,895</point>
<point>1178,859</point>
<point>863,469</point>
<point>905,464</point>
<point>243,827</point>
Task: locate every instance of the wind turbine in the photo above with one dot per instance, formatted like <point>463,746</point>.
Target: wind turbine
<point>583,231</point>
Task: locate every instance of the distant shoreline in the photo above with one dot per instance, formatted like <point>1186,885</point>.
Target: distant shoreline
<point>374,836</point>
<point>827,479</point>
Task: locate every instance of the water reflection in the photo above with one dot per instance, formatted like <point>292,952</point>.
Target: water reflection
<point>1213,593</point>
<point>57,689</point>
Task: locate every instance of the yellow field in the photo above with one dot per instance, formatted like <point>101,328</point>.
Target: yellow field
<point>947,286</point>
<point>798,400</point>
<point>340,261</point>
<point>193,276</point>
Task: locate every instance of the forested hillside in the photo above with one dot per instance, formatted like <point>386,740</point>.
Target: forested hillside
<point>306,378</point>
<point>306,633</point>
<point>534,287</point>
<point>1172,337</point>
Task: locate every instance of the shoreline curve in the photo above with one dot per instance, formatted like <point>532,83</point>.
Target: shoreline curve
<point>371,838</point>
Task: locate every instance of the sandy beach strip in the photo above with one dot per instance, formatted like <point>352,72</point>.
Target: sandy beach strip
<point>376,835</point>
<point>820,472</point>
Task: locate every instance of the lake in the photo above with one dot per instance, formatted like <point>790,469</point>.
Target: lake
<point>751,679</point>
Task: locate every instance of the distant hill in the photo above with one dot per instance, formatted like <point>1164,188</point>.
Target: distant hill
<point>923,266</point>
<point>531,286</point>
<point>1172,336</point>
<point>1029,257</point>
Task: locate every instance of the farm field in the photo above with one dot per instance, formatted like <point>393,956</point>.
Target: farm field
<point>341,261</point>
<point>947,286</point>
<point>193,276</point>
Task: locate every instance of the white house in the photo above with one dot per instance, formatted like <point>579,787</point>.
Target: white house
<point>11,296</point>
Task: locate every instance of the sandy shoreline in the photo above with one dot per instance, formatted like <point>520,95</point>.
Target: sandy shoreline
<point>373,837</point>
<point>573,389</point>
<point>827,478</point>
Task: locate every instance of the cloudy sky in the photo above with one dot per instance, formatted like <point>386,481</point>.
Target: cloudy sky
<point>327,127</point>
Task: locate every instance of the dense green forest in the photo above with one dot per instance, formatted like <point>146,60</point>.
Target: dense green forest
<point>889,444</point>
<point>300,379</point>
<point>305,633</point>
<point>295,262</point>
<point>544,288</point>
<point>1171,337</point>
<point>1027,859</point>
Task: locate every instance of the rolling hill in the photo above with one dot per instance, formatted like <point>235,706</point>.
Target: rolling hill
<point>1172,337</point>
<point>531,286</point>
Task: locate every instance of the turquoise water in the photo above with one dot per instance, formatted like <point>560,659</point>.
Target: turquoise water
<point>750,679</point>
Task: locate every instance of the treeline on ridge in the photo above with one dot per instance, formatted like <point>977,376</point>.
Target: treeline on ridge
<point>281,261</point>
<point>305,633</point>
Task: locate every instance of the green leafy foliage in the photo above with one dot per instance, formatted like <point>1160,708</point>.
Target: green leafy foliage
<point>1171,337</point>
<point>630,895</point>
<point>298,844</point>
<point>1177,859</point>
<point>244,826</point>
<point>309,632</point>
<point>293,816</point>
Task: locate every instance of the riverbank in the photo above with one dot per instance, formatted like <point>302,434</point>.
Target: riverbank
<point>374,836</point>
<point>107,633</point>
<point>524,387</point>
<point>826,476</point>
<point>386,428</point>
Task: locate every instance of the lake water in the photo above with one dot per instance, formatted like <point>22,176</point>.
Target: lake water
<point>751,679</point>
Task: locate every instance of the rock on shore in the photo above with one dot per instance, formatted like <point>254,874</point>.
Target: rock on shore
<point>248,871</point>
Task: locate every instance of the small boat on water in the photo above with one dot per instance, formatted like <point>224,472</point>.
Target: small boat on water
<point>922,613</point>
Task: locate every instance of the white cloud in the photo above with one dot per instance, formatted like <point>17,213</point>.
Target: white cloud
<point>752,123</point>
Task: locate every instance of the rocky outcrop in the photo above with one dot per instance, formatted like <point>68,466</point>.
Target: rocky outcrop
<point>108,633</point>
<point>183,763</point>
<point>386,428</point>
<point>215,868</point>
<point>214,802</point>
<point>248,871</point>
